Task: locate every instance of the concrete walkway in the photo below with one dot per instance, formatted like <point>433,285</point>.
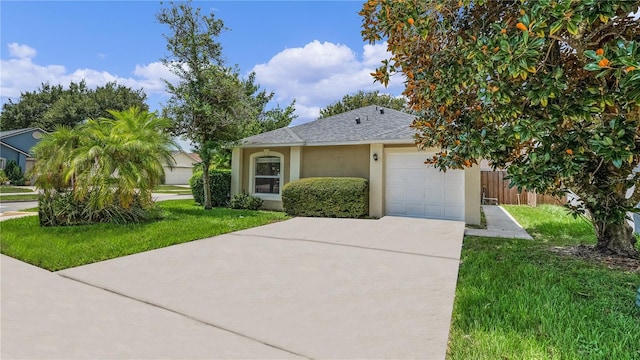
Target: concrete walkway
<point>500,224</point>
<point>305,287</point>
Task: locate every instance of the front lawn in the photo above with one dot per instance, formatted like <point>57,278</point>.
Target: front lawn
<point>518,299</point>
<point>57,248</point>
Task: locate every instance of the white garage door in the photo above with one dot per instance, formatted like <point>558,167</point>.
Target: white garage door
<point>177,176</point>
<point>417,190</point>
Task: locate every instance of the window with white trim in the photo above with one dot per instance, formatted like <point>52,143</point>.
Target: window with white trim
<point>266,174</point>
<point>3,163</point>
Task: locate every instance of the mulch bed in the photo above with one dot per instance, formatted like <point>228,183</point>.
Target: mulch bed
<point>589,253</point>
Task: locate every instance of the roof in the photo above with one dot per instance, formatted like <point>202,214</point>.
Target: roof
<point>10,133</point>
<point>193,156</point>
<point>376,125</point>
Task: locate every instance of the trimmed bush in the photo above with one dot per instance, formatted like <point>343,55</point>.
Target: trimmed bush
<point>220,186</point>
<point>245,201</point>
<point>3,177</point>
<point>340,197</point>
<point>61,209</point>
<point>14,173</point>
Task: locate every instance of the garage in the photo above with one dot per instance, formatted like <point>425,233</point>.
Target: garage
<point>414,189</point>
<point>178,175</point>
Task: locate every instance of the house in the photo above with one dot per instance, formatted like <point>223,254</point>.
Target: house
<point>181,170</point>
<point>16,145</point>
<point>372,142</point>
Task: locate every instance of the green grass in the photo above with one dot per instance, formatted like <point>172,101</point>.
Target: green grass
<point>57,248</point>
<point>515,299</point>
<point>172,189</point>
<point>5,189</point>
<point>19,197</point>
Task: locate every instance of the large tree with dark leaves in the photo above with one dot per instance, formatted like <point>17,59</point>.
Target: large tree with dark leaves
<point>361,99</point>
<point>53,105</point>
<point>548,88</point>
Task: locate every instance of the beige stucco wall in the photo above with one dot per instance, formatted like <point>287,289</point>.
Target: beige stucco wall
<point>339,161</point>
<point>472,195</point>
<point>356,161</point>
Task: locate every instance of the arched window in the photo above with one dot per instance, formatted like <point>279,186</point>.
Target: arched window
<point>266,169</point>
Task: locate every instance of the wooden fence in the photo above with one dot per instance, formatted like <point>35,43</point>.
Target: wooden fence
<point>495,186</point>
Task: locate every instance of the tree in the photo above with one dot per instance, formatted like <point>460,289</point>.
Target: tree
<point>266,120</point>
<point>210,103</point>
<point>52,105</point>
<point>550,89</point>
<point>362,98</point>
<point>106,161</point>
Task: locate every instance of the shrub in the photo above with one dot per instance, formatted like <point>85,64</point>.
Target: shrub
<point>14,173</point>
<point>62,209</point>
<point>340,197</point>
<point>245,201</point>
<point>220,186</point>
<point>3,177</point>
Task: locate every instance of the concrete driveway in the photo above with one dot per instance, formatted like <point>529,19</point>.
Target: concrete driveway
<point>306,287</point>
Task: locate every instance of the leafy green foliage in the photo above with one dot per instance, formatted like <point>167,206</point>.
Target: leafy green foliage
<point>245,201</point>
<point>52,105</point>
<point>3,177</point>
<point>219,185</point>
<point>63,209</point>
<point>103,163</point>
<point>550,89</point>
<point>14,173</point>
<point>361,99</point>
<point>210,103</point>
<point>340,197</point>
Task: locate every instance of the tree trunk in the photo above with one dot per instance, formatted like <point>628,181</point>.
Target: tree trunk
<point>616,239</point>
<point>206,181</point>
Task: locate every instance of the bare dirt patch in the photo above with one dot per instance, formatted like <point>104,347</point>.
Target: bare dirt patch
<point>589,253</point>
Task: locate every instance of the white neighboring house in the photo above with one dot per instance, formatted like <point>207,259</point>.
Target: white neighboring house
<point>180,172</point>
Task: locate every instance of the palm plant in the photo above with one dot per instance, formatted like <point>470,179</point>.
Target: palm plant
<point>107,161</point>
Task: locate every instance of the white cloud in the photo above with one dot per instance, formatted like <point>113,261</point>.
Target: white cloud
<point>21,51</point>
<point>319,74</point>
<point>19,74</point>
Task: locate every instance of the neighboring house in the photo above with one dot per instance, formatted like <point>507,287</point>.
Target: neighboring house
<point>16,145</point>
<point>372,142</point>
<point>180,172</point>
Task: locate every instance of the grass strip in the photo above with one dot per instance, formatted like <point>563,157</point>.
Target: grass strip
<point>8,189</point>
<point>19,197</point>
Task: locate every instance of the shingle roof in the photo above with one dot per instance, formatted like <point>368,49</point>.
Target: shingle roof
<point>377,124</point>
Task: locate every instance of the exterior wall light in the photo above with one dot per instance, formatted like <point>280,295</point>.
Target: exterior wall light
<point>375,157</point>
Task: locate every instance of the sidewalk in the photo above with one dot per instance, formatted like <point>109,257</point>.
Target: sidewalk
<point>500,224</point>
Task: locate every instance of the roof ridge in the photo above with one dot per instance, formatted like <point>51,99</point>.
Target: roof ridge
<point>293,134</point>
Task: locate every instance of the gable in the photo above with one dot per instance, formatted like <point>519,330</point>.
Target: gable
<point>22,140</point>
<point>183,159</point>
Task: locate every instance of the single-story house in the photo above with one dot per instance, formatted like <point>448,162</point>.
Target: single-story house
<point>372,142</point>
<point>181,170</point>
<point>16,145</point>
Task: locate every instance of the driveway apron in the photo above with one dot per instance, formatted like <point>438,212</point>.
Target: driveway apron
<point>309,287</point>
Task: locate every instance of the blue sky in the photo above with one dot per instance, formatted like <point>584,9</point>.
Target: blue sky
<point>310,51</point>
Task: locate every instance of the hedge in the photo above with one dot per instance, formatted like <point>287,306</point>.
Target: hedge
<point>220,186</point>
<point>340,197</point>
